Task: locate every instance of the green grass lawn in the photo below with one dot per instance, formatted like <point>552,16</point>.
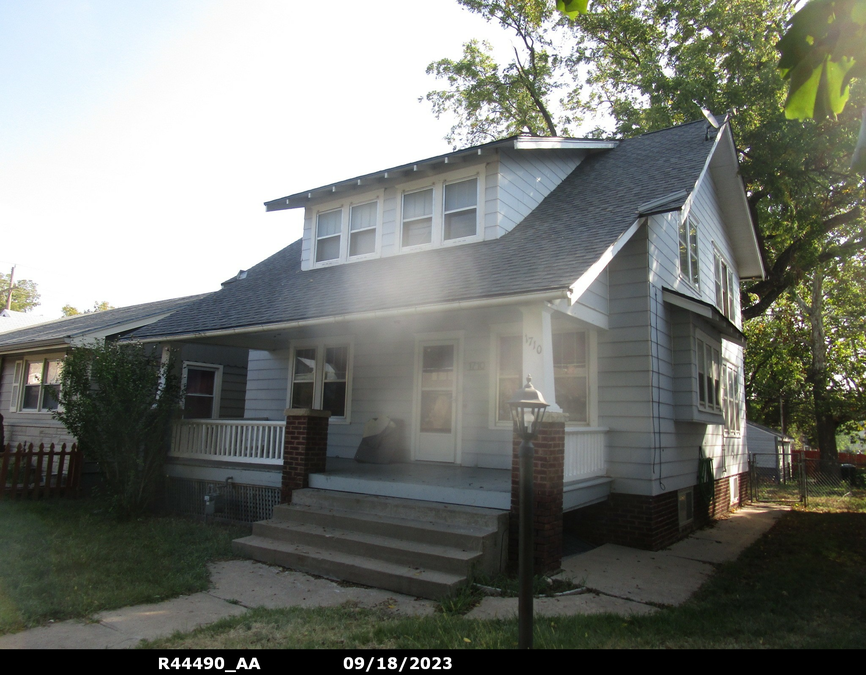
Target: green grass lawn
<point>62,559</point>
<point>803,585</point>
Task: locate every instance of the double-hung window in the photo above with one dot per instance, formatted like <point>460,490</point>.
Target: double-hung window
<point>709,375</point>
<point>320,378</point>
<point>345,233</point>
<point>418,217</point>
<point>725,286</point>
<point>688,238</point>
<point>329,229</point>
<point>441,213</point>
<point>202,384</point>
<point>36,385</point>
<point>461,202</point>
<point>731,402</point>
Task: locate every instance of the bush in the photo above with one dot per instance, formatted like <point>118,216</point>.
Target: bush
<point>119,402</point>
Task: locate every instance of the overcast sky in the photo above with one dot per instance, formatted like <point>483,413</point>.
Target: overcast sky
<point>139,140</point>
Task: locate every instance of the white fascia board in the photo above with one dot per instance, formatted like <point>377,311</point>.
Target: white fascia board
<point>579,287</point>
<point>557,143</point>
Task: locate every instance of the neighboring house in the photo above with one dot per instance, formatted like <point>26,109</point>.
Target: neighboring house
<point>770,451</point>
<point>12,320</point>
<point>32,360</point>
<point>608,270</point>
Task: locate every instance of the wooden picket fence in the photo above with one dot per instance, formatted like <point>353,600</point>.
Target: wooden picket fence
<point>28,472</point>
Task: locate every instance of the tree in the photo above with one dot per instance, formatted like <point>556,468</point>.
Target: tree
<point>119,402</point>
<point>823,49</point>
<point>69,310</point>
<point>807,358</point>
<point>492,100</point>
<point>25,295</point>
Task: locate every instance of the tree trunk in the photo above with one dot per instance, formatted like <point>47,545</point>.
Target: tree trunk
<point>825,421</point>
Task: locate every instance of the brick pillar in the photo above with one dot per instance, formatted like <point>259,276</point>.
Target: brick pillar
<point>305,448</point>
<point>548,469</point>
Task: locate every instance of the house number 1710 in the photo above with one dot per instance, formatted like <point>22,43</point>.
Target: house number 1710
<point>533,343</point>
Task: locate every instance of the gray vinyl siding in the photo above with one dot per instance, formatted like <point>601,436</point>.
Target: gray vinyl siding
<point>267,384</point>
<point>526,178</point>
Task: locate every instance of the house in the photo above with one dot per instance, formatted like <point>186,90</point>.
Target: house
<point>425,293</point>
<point>31,360</point>
<point>12,320</point>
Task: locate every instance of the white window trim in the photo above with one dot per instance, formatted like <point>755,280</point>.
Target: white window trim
<point>732,403</point>
<point>16,403</point>
<point>716,346</point>
<point>320,345</point>
<point>729,286</point>
<point>690,276</point>
<point>437,184</point>
<point>217,384</point>
<point>345,208</point>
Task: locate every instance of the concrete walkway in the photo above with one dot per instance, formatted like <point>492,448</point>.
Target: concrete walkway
<point>621,580</point>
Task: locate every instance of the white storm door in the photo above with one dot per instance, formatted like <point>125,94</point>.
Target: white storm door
<point>436,437</point>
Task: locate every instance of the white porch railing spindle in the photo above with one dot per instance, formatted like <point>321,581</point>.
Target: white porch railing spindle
<point>584,454</point>
<point>251,441</point>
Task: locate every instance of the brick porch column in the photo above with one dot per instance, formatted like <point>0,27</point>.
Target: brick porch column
<point>305,448</point>
<point>548,470</point>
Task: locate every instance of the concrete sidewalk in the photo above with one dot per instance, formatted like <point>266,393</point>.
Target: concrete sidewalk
<point>621,580</point>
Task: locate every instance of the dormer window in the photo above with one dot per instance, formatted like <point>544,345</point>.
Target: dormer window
<point>461,200</point>
<point>362,228</point>
<point>347,231</point>
<point>329,227</point>
<point>443,213</point>
<point>418,217</point>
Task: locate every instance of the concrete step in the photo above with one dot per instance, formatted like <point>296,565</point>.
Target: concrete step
<point>377,573</point>
<point>428,548</point>
<point>402,551</point>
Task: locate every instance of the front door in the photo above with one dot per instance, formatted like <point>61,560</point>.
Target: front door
<point>436,395</point>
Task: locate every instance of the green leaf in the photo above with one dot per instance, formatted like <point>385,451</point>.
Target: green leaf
<point>571,8</point>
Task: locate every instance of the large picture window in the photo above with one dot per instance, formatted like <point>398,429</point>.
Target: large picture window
<point>570,373</point>
<point>320,378</point>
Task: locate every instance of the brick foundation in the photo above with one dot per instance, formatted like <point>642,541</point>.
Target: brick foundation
<point>305,449</point>
<point>548,468</point>
<point>650,523</point>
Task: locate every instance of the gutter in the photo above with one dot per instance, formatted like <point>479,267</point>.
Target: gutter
<point>541,296</point>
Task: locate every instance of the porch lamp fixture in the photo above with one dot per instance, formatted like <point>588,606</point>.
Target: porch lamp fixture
<point>527,413</point>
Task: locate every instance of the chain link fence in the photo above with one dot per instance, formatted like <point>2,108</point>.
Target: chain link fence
<point>792,476</point>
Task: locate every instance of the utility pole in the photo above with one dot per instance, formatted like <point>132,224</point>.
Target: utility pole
<point>11,286</point>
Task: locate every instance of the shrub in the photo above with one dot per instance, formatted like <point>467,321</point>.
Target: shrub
<point>119,402</point>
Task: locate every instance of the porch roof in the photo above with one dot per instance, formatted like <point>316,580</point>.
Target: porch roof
<point>93,325</point>
<point>548,251</point>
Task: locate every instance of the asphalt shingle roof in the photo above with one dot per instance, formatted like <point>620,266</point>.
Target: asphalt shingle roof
<point>60,330</point>
<point>550,249</point>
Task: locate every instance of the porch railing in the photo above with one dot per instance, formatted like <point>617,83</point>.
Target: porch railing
<point>251,441</point>
<point>584,454</point>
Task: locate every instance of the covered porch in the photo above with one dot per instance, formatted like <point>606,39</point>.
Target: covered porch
<point>256,447</point>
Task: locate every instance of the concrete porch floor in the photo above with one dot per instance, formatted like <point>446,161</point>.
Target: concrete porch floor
<point>469,486</point>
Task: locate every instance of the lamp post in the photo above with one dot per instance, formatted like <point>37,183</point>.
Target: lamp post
<point>527,412</point>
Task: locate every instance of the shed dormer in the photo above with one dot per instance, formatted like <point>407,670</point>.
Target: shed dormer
<point>467,196</point>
